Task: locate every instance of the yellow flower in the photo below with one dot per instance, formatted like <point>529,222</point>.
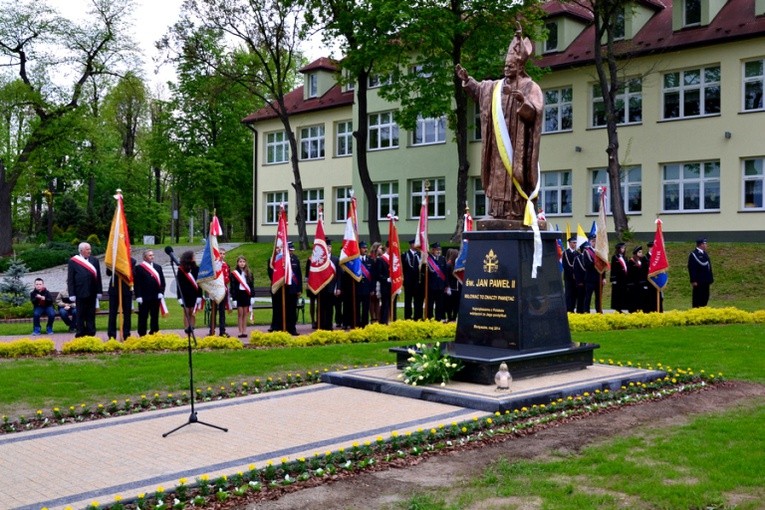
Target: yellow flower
<point>182,481</point>
<point>117,498</point>
<point>95,504</point>
<point>160,490</point>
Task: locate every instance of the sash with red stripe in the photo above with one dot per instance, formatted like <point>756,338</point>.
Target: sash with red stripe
<point>365,272</point>
<point>153,272</point>
<point>87,265</point>
<point>242,281</point>
<point>434,267</point>
<point>190,278</point>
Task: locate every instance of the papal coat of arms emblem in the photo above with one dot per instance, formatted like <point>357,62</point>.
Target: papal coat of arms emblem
<point>491,262</point>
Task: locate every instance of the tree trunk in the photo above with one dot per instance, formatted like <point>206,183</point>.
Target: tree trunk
<point>360,134</point>
<point>461,135</point>
<point>6,222</point>
<point>297,183</point>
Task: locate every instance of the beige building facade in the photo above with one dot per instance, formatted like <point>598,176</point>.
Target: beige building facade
<point>691,133</point>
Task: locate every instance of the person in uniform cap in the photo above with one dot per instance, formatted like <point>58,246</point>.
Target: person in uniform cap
<point>294,291</point>
<point>325,300</point>
<point>650,298</point>
<point>365,286</point>
<point>700,272</point>
<point>637,280</point>
<point>569,282</point>
<point>619,295</point>
<point>413,291</point>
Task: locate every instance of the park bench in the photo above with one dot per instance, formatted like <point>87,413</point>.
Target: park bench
<point>262,297</point>
<point>102,310</point>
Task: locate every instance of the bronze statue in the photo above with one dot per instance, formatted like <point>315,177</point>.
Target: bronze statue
<point>510,175</point>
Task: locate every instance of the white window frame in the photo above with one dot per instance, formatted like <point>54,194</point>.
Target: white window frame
<point>387,198</point>
<point>312,142</point>
<point>342,196</point>
<point>702,87</point>
<point>476,122</point>
<point>620,25</point>
<point>558,189</point>
<point>692,23</point>
<point>480,201</point>
<point>271,203</point>
<point>626,96</point>
<point>436,197</point>
<point>313,85</point>
<point>685,184</point>
<point>377,81</point>
<point>752,81</point>
<point>556,107</point>
<point>313,201</point>
<point>277,148</point>
<point>382,128</point>
<point>756,178</point>
<point>344,138</point>
<point>631,179</point>
<point>551,44</point>
<point>429,131</point>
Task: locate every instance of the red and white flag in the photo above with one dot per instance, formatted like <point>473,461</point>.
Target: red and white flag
<point>394,250</point>
<point>321,271</point>
<point>280,257</point>
<point>421,237</point>
<point>601,241</point>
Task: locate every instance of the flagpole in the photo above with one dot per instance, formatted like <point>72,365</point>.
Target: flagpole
<point>425,306</point>
<point>284,309</point>
<point>120,334</point>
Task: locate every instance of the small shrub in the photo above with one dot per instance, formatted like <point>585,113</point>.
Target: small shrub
<point>26,347</point>
<point>219,342</point>
<point>84,344</point>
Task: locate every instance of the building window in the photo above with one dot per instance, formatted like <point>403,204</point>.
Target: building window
<point>631,180</point>
<point>273,202</point>
<point>436,197</point>
<point>429,131</point>
<point>476,122</point>
<point>558,113</point>
<point>556,192</point>
<point>480,202</point>
<point>419,71</point>
<point>313,201</point>
<point>376,80</point>
<point>691,12</point>
<point>277,147</point>
<point>754,84</point>
<point>387,199</point>
<point>383,131</point>
<point>313,85</point>
<point>754,181</point>
<point>628,104</point>
<point>691,186</point>
<point>551,43</point>
<point>342,202</point>
<point>618,26</point>
<point>344,138</point>
<point>692,93</point>
<point>312,142</point>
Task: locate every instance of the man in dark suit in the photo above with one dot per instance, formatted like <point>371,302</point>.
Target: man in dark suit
<point>365,286</point>
<point>569,282</point>
<point>149,287</point>
<point>84,285</point>
<point>700,272</point>
<point>294,290</point>
<point>437,283</point>
<point>413,291</point>
<point>325,301</point>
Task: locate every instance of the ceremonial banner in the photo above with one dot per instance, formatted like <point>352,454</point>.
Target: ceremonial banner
<point>459,264</point>
<point>321,271</point>
<point>421,237</point>
<point>210,276</point>
<point>659,264</point>
<point>118,247</point>
<point>601,242</point>
<point>280,257</point>
<point>581,237</point>
<point>394,250</point>
<point>350,256</point>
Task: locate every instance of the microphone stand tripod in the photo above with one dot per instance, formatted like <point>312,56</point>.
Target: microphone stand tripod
<point>189,337</point>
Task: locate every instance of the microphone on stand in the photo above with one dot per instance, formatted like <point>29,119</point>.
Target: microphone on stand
<point>173,258</point>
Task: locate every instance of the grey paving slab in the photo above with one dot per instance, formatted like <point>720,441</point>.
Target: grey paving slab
<point>75,465</point>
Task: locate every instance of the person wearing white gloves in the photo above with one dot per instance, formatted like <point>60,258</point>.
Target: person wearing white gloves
<point>189,293</point>
<point>240,288</point>
<point>83,282</point>
<point>149,290</point>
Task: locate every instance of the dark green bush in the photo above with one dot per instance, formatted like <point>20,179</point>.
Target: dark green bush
<point>8,311</point>
<point>43,258</point>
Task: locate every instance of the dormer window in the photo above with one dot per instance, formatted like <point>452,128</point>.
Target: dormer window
<point>618,27</point>
<point>313,85</point>
<point>691,12</point>
<point>551,43</point>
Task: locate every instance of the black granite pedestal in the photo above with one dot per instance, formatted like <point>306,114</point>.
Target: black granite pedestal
<point>506,315</point>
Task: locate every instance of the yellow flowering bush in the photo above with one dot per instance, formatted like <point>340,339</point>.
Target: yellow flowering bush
<point>219,342</point>
<point>27,347</point>
<point>83,344</point>
<point>693,317</point>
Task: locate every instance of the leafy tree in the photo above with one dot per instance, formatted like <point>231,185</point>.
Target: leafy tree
<point>364,30</point>
<point>607,16</point>
<point>265,62</point>
<point>37,43</point>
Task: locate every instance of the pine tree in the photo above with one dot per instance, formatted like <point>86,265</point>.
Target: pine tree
<point>13,290</point>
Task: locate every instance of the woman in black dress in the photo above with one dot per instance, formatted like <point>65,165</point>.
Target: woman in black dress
<point>241,293</point>
<point>189,293</point>
<point>619,279</point>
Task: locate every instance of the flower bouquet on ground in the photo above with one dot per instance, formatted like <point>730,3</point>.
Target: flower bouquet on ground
<point>428,365</point>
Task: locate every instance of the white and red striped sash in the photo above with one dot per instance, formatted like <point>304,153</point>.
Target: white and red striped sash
<point>242,282</point>
<point>82,261</point>
<point>153,272</point>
